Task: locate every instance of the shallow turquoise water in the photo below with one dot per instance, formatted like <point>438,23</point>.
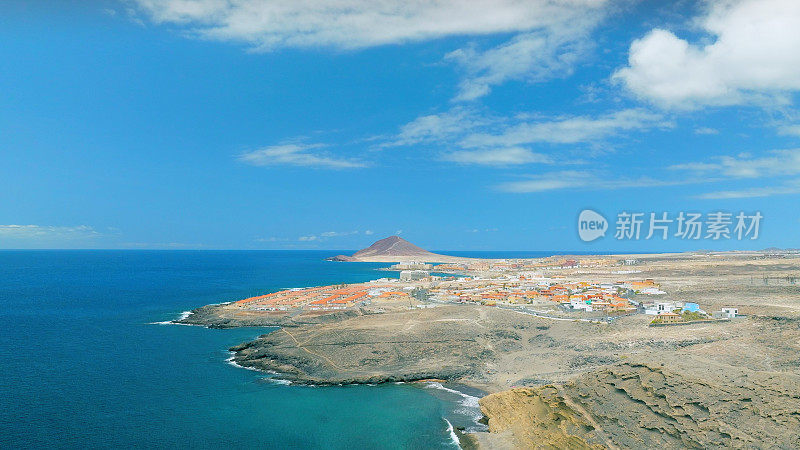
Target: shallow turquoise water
<point>83,367</point>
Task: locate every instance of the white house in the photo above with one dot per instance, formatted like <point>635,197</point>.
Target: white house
<point>726,313</point>
<point>662,307</point>
<point>579,303</point>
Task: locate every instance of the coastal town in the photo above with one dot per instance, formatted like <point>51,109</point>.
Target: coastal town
<point>544,288</point>
<point>650,336</point>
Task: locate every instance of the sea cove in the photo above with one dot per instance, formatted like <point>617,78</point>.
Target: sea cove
<point>83,365</point>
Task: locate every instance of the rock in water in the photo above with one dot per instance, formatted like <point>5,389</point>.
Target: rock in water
<point>342,258</point>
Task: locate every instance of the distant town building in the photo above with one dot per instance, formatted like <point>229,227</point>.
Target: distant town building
<point>411,265</point>
<point>414,275</point>
<point>652,291</point>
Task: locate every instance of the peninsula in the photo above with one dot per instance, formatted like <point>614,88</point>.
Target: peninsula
<point>664,350</point>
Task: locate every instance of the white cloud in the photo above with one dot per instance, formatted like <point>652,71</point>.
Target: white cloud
<point>369,232</point>
<point>474,138</point>
<point>778,163</point>
<point>706,130</point>
<point>791,187</point>
<point>40,231</point>
<point>497,157</point>
<point>532,57</point>
<point>571,179</point>
<point>775,165</point>
<point>267,25</point>
<point>295,155</point>
<point>470,129</point>
<point>327,235</point>
<point>439,127</point>
<point>789,130</point>
<point>548,182</point>
<point>752,57</point>
<point>270,239</point>
<point>28,236</point>
<point>566,130</point>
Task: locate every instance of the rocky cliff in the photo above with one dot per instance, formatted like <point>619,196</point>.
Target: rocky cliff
<point>637,405</point>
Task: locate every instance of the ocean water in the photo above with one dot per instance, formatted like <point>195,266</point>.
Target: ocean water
<point>83,365</point>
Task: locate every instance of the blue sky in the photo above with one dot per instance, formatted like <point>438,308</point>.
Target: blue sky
<point>248,124</point>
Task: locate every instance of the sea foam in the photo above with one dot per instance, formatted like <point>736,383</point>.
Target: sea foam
<point>469,404</point>
<point>182,316</point>
<point>467,400</point>
<point>230,360</point>
<point>452,432</point>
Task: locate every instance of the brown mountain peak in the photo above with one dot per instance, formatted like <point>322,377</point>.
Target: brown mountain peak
<point>392,246</point>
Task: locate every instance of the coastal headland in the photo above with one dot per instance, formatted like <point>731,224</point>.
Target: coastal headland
<point>563,345</point>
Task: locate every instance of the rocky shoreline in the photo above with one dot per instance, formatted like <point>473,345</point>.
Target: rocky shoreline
<point>562,383</point>
<point>216,316</point>
<point>338,354</point>
<point>254,354</point>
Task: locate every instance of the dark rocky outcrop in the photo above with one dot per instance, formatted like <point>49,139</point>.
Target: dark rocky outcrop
<point>216,316</point>
<point>401,346</point>
<point>342,258</point>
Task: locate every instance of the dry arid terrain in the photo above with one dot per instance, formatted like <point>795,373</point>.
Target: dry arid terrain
<point>573,383</point>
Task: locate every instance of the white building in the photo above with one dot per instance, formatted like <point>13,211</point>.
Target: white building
<point>726,313</point>
<point>576,303</point>
<point>662,307</point>
<point>411,265</point>
<point>652,291</point>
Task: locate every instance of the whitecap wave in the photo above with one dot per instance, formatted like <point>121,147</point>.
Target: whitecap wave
<point>172,322</point>
<point>452,432</point>
<point>232,362</point>
<point>182,316</point>
<point>468,401</point>
<point>469,404</point>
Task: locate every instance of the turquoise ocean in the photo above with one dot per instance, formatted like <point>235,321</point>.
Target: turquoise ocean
<point>84,362</point>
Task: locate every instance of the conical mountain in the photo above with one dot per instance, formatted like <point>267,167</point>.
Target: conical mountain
<point>392,246</point>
